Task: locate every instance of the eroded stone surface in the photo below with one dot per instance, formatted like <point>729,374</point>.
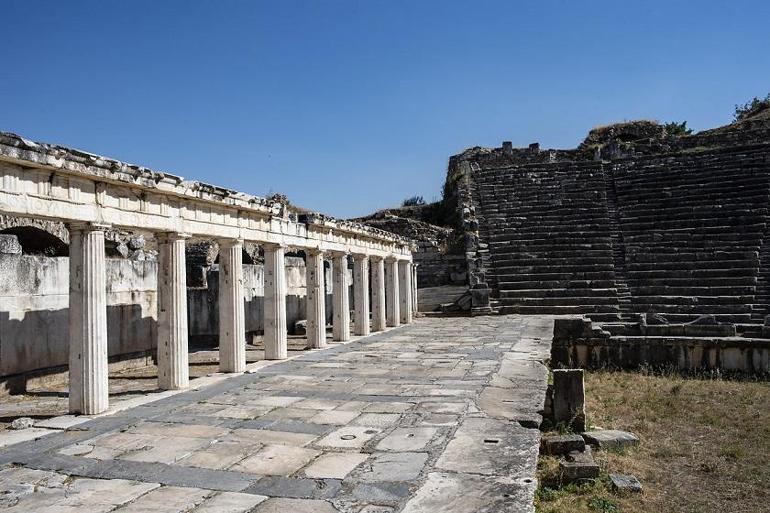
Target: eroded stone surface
<point>427,418</point>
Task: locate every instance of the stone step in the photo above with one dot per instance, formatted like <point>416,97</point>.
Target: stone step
<point>557,292</point>
<point>564,310</point>
<point>559,301</point>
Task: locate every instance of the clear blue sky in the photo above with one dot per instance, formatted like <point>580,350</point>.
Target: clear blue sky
<point>350,106</point>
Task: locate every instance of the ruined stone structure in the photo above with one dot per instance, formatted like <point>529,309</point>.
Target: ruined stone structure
<point>663,240</point>
<point>93,196</point>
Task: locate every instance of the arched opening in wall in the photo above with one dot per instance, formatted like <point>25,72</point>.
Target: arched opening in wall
<point>35,241</point>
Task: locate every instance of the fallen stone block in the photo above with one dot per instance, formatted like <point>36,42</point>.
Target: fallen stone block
<point>561,444</point>
<point>578,466</point>
<point>300,327</point>
<point>611,439</point>
<point>625,483</point>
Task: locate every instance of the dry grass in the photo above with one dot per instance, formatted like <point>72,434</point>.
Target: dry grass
<point>705,446</point>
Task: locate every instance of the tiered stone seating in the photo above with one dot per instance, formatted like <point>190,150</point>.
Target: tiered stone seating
<point>546,230</point>
<point>692,226</point>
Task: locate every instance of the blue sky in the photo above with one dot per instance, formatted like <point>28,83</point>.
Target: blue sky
<point>350,106</point>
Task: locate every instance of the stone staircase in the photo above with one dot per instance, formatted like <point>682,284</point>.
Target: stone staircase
<point>692,229</point>
<point>549,243</point>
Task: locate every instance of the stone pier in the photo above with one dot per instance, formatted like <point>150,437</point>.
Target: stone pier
<point>341,326</point>
<point>88,320</point>
<point>173,368</point>
<point>232,321</point>
<point>378,294</point>
<point>392,293</point>
<point>316,299</point>
<point>275,303</point>
<point>361,293</point>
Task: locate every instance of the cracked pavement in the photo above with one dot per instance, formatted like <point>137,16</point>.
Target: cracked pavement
<point>437,416</point>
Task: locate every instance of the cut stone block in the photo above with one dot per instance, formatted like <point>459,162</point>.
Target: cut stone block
<point>611,439</point>
<point>335,465</point>
<point>578,466</point>
<point>276,460</point>
<point>625,483</point>
<point>561,444</point>
<point>569,398</point>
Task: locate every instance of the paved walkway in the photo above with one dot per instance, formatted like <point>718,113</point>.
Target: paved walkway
<point>437,416</point>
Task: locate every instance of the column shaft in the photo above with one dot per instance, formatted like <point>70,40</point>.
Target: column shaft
<point>415,305</point>
<point>405,288</point>
<point>275,303</point>
<point>341,327</point>
<point>361,292</point>
<point>378,294</point>
<point>173,369</point>
<point>316,299</point>
<point>88,371</point>
<point>391,292</point>
<point>232,322</point>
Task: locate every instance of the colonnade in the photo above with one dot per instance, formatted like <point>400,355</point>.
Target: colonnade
<point>390,281</point>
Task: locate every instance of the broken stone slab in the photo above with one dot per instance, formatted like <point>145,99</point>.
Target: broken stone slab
<point>561,444</point>
<point>611,439</point>
<point>579,466</point>
<point>625,483</point>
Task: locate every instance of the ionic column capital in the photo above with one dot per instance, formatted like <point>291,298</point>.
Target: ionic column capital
<point>171,236</point>
<point>360,256</point>
<point>272,246</point>
<point>313,251</point>
<point>86,226</point>
<point>229,242</point>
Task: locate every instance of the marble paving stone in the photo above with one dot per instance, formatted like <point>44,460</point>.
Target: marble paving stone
<point>400,466</point>
<point>380,420</point>
<point>167,499</point>
<point>265,436</point>
<point>334,417</point>
<point>335,465</point>
<point>436,431</point>
<point>349,437</point>
<point>295,506</point>
<point>219,455</point>
<point>407,439</point>
<point>230,502</point>
<point>276,460</point>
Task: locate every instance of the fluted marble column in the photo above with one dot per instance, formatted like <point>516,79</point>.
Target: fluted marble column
<point>405,287</point>
<point>391,292</point>
<point>361,294</point>
<point>340,298</point>
<point>275,303</point>
<point>415,305</point>
<point>316,298</point>
<point>173,369</point>
<point>378,293</point>
<point>88,371</point>
<point>232,321</point>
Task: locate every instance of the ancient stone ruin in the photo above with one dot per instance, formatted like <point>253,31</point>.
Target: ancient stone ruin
<point>66,305</point>
<point>661,240</point>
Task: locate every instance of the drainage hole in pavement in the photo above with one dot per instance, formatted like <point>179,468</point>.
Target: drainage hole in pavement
<point>348,437</point>
<point>491,441</point>
<point>370,431</point>
<point>410,435</point>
